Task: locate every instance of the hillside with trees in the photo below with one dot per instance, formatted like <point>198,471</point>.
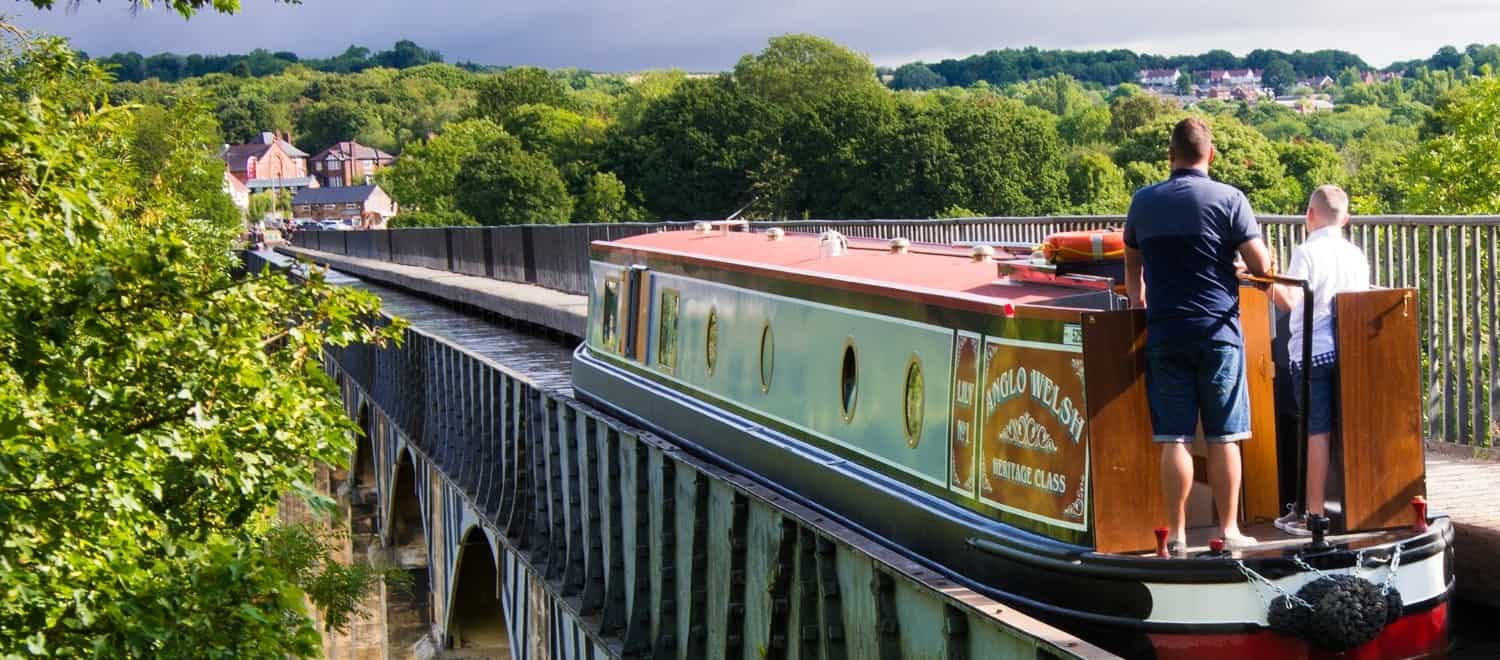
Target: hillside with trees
<point>805,128</point>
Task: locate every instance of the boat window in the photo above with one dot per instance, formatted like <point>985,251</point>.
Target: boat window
<point>711,340</point>
<point>849,381</point>
<point>610,318</point>
<point>666,330</point>
<point>916,395</point>
<point>767,356</point>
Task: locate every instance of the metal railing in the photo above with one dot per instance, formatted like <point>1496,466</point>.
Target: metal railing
<point>1451,260</point>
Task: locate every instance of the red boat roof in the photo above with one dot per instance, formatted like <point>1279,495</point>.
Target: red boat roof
<point>933,268</point>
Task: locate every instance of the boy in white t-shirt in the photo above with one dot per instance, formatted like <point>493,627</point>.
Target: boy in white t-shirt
<point>1331,265</point>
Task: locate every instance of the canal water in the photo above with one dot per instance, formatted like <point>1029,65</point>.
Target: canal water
<point>547,361</point>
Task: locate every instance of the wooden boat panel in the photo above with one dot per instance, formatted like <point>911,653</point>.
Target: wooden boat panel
<point>1262,486</point>
<point>1125,470</point>
<point>1379,406</point>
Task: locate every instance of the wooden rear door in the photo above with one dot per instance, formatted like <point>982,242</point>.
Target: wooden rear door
<point>1124,463</point>
<point>1379,407</point>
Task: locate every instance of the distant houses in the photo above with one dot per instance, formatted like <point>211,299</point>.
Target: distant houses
<point>365,206</point>
<point>348,164</point>
<point>335,184</point>
<point>269,163</point>
<point>1159,79</point>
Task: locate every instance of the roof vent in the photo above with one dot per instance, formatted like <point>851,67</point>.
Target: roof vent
<point>982,253</point>
<point>832,244</point>
<point>899,245</point>
<point>703,227</point>
<point>775,234</point>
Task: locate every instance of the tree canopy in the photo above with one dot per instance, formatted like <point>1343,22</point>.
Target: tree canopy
<point>154,408</point>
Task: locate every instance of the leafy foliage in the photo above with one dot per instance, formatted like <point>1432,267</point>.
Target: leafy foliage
<point>505,185</point>
<point>153,408</point>
<point>797,69</point>
<point>427,174</point>
<point>1455,170</point>
<point>498,95</point>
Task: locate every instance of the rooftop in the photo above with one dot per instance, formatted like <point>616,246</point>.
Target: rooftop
<point>926,269</point>
<point>334,195</point>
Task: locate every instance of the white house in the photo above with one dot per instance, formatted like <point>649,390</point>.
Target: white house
<point>1158,77</point>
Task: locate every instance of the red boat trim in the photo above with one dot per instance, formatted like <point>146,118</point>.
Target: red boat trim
<point>1419,634</point>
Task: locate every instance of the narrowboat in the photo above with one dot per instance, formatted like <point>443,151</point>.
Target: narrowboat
<point>983,411</point>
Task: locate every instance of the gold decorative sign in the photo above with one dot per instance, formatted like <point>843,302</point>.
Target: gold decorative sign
<point>1033,446</point>
<point>965,394</point>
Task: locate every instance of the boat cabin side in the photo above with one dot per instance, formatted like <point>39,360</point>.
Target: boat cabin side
<point>1029,408</point>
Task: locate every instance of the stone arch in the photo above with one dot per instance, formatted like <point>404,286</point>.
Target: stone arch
<point>408,612</point>
<point>476,622</point>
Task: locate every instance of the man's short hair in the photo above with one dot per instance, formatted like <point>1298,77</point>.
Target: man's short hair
<point>1329,202</point>
<point>1192,140</point>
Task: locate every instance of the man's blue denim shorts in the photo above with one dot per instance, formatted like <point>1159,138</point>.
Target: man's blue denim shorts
<point>1324,378</point>
<point>1204,378</point>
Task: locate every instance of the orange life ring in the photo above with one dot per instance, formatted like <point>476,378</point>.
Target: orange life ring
<point>1076,246</point>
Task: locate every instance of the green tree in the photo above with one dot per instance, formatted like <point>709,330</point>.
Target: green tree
<point>916,76</point>
<point>1095,184</point>
<point>1088,125</point>
<point>1128,113</point>
<point>242,118</point>
<point>1310,163</point>
<point>1454,170</point>
<point>1279,75</point>
<point>505,185</point>
<point>153,409</point>
<point>426,175</point>
<point>691,152</point>
<point>1377,182</point>
<point>324,123</point>
<point>1184,84</point>
<point>797,69</point>
<point>837,148</point>
<point>1011,158</point>
<point>185,7</point>
<point>503,92</point>
<point>1060,95</point>
<point>603,199</point>
<point>1245,159</point>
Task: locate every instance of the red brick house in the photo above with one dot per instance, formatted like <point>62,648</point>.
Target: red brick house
<point>349,163</point>
<point>269,163</point>
<point>364,206</point>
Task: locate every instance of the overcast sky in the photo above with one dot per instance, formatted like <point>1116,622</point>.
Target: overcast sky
<point>710,35</point>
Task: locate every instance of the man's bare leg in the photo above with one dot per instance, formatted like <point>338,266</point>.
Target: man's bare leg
<point>1176,484</point>
<point>1224,477</point>
<point>1317,472</point>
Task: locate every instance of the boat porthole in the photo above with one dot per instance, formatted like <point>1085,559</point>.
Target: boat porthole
<point>915,403</point>
<point>767,356</point>
<point>711,340</point>
<point>849,380</point>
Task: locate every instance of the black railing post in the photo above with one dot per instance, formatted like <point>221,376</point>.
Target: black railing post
<point>528,254</point>
<point>487,241</point>
<point>448,246</point>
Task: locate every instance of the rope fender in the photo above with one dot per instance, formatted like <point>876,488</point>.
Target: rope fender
<point>1336,612</point>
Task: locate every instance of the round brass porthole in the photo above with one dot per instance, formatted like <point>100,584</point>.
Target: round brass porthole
<point>711,340</point>
<point>916,401</point>
<point>849,380</point>
<point>767,356</point>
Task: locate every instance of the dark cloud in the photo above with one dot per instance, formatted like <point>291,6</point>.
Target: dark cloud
<point>708,35</point>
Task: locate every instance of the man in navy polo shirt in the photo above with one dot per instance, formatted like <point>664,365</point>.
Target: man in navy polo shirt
<point>1181,239</point>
